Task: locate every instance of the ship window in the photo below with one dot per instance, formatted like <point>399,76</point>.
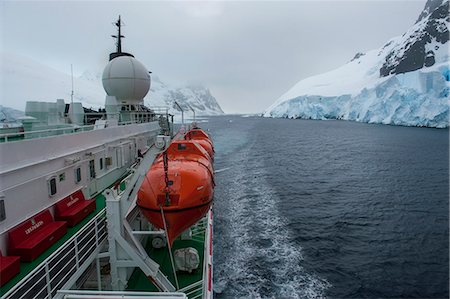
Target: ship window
<point>101,163</point>
<point>2,210</point>
<point>108,161</point>
<point>62,176</point>
<point>78,175</point>
<point>52,186</point>
<point>92,169</point>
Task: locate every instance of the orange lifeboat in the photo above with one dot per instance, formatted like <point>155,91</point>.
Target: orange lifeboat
<point>202,139</point>
<point>178,189</point>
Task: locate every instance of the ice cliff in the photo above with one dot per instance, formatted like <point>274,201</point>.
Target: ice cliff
<point>405,82</point>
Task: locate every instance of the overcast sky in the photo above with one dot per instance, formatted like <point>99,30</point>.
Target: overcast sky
<point>247,52</point>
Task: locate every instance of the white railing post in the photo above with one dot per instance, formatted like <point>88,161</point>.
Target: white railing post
<point>77,261</point>
<point>47,280</point>
<point>99,277</point>
<point>96,232</point>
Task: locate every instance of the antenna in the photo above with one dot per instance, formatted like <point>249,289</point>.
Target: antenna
<point>119,35</point>
<point>71,94</point>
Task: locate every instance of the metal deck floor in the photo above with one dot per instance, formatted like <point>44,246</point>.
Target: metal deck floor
<point>139,282</point>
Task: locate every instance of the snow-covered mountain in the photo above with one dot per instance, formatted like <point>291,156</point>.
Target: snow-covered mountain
<point>405,82</point>
<point>9,115</point>
<point>197,97</point>
<point>23,79</point>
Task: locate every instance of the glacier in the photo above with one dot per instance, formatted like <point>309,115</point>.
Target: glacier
<point>380,86</point>
<point>409,99</point>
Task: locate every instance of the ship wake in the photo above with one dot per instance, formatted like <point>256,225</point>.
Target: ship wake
<point>255,255</point>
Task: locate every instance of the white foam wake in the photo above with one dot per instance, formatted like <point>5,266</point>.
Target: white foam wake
<point>257,259</point>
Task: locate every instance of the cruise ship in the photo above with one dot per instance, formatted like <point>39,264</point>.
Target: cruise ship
<point>114,203</point>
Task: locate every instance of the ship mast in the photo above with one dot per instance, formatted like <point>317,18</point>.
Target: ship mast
<point>119,35</point>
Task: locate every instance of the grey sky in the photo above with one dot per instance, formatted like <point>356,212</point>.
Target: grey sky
<point>247,53</point>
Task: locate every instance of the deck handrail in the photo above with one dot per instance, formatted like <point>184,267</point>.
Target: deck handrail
<point>44,285</point>
<point>76,129</point>
<point>145,117</point>
<point>72,294</point>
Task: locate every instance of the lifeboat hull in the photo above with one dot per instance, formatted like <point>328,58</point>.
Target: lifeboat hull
<point>190,191</point>
<point>174,219</point>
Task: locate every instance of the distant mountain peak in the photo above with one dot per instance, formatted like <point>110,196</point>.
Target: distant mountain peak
<point>192,95</point>
<point>420,46</point>
<point>430,6</point>
<point>9,115</point>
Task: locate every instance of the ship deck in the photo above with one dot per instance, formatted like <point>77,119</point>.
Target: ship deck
<point>190,283</point>
<point>139,282</point>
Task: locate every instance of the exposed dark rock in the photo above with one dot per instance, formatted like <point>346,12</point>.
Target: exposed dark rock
<point>412,55</point>
<point>357,55</point>
<point>429,59</point>
<point>430,6</point>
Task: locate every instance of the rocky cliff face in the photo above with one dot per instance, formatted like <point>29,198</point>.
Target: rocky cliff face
<point>422,44</point>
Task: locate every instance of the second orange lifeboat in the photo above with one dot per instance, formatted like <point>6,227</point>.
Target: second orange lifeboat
<point>202,139</point>
<point>178,189</point>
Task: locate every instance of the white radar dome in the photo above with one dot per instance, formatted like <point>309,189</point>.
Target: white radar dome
<point>127,79</point>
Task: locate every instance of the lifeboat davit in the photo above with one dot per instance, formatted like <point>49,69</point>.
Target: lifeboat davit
<point>202,139</point>
<point>180,189</point>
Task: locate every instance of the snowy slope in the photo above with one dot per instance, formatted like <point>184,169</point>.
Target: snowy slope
<point>405,82</point>
<point>9,117</point>
<point>197,97</point>
<point>23,79</point>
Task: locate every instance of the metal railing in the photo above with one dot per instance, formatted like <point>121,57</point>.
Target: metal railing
<point>56,270</point>
<point>46,132</point>
<point>193,290</point>
<point>77,294</point>
<point>133,117</point>
<point>199,233</point>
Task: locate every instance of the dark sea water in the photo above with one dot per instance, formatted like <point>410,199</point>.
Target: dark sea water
<point>337,209</point>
